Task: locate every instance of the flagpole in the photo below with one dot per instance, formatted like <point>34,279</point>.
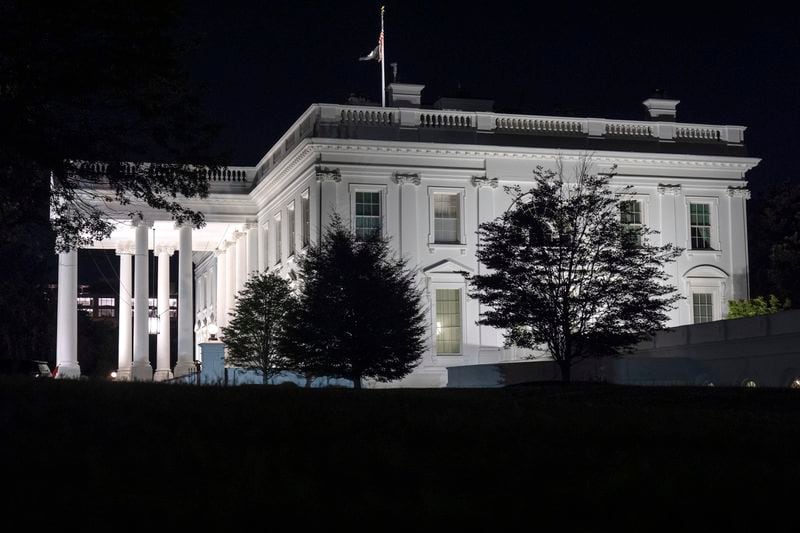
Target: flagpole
<point>383,62</point>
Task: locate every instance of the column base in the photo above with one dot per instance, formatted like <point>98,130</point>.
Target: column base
<point>142,372</point>
<point>184,367</point>
<point>162,375</point>
<point>124,374</point>
<point>69,371</point>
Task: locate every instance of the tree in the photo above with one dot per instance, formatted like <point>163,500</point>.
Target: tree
<point>756,306</point>
<point>258,324</point>
<point>565,274</point>
<point>774,242</point>
<point>84,89</point>
<point>360,313</point>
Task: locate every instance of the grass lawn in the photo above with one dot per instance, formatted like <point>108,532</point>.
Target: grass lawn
<point>602,453</point>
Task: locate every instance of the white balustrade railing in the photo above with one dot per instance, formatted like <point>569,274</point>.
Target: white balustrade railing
<point>538,125</point>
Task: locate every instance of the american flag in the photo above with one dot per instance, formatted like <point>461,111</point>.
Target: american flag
<point>380,47</point>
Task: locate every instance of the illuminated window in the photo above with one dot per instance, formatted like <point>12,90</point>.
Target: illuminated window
<point>305,208</point>
<point>448,321</point>
<point>277,228</point>
<point>700,226</point>
<point>290,227</point>
<point>446,218</point>
<point>631,217</point>
<point>84,302</point>
<point>105,302</point>
<point>702,307</point>
<point>368,214</point>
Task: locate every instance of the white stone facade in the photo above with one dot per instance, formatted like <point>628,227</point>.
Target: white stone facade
<point>402,161</point>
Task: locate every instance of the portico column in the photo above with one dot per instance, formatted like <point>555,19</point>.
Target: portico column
<point>221,310</point>
<point>408,184</point>
<point>241,259</point>
<point>141,370</point>
<point>252,249</point>
<point>67,325</point>
<point>125,252</point>
<point>185,363</point>
<point>230,272</point>
<point>163,370</point>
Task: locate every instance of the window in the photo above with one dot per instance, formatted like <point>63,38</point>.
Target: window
<point>446,218</point>
<point>277,227</point>
<point>368,214</point>
<point>448,321</point>
<point>631,217</point>
<point>702,307</point>
<point>290,227</point>
<point>84,302</point>
<point>105,302</point>
<point>700,226</point>
<point>305,208</point>
<point>266,244</point>
<point>106,312</point>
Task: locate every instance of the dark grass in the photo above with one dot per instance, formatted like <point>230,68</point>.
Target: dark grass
<point>602,453</point>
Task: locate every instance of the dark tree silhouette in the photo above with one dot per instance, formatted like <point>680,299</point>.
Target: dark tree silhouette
<point>360,313</point>
<point>257,325</point>
<point>85,88</point>
<point>566,274</point>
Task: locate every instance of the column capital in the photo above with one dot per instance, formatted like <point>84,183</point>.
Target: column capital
<point>250,225</point>
<point>410,178</point>
<point>238,235</point>
<point>739,192</point>
<point>126,248</point>
<point>138,220</point>
<point>484,181</point>
<point>327,174</point>
<point>168,249</point>
<point>669,189</point>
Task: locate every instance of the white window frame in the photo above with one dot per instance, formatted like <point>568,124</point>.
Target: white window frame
<point>462,301</point>
<point>644,206</point>
<point>713,214</point>
<point>715,287</point>
<point>359,187</point>
<point>432,244</point>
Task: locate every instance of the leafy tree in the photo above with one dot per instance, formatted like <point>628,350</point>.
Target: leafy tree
<point>86,83</point>
<point>566,274</point>
<point>774,242</point>
<point>258,323</point>
<point>756,306</point>
<point>360,313</point>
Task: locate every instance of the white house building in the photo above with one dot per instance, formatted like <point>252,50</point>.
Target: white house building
<point>425,178</point>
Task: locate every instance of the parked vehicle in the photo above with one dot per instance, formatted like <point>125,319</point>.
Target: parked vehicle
<point>25,367</point>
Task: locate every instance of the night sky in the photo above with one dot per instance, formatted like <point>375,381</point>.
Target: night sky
<point>261,65</point>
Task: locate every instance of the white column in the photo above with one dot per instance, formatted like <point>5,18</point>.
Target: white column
<point>488,342</point>
<point>67,325</point>
<point>141,370</point>
<point>252,249</point>
<point>327,179</point>
<point>125,252</point>
<point>241,259</point>
<point>221,310</point>
<point>230,280</point>
<point>163,368</point>
<point>740,270</point>
<point>185,363</point>
<point>263,262</point>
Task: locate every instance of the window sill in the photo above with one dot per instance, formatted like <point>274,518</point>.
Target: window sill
<point>434,246</point>
<point>708,252</point>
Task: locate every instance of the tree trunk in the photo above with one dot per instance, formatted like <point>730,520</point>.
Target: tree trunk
<point>357,381</point>
<point>566,369</point>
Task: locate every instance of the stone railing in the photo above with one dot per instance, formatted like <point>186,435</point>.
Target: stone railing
<point>538,125</point>
<point>220,178</point>
<point>489,122</point>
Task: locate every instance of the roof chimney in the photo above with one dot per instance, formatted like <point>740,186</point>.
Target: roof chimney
<point>661,107</point>
<point>405,94</point>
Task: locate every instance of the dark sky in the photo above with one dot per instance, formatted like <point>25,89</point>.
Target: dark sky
<point>262,63</point>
